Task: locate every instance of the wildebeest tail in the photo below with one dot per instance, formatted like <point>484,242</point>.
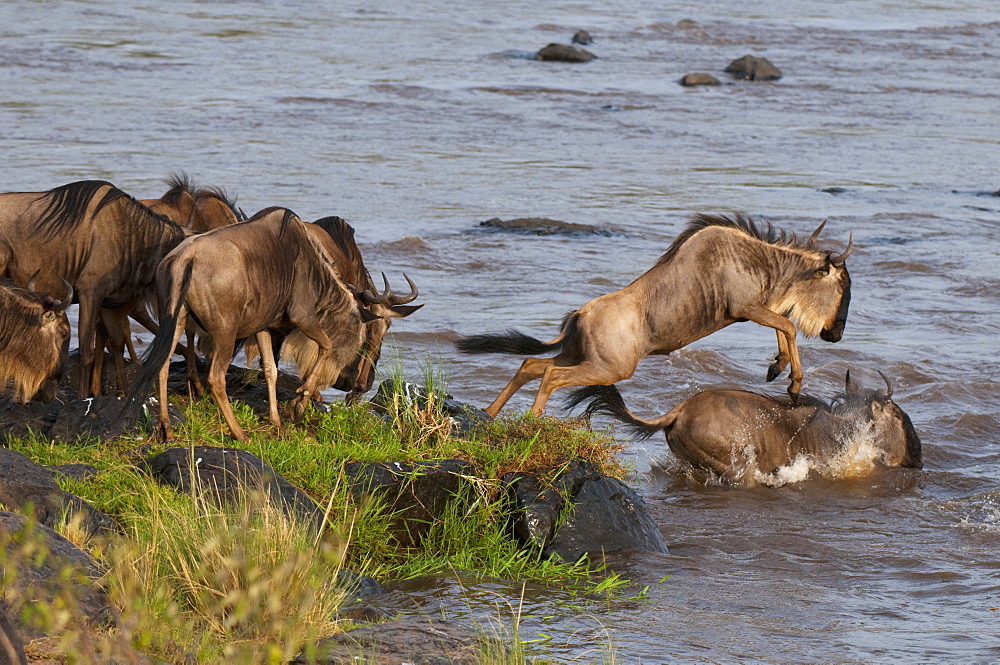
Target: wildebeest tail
<point>517,343</point>
<point>606,400</point>
<point>160,350</point>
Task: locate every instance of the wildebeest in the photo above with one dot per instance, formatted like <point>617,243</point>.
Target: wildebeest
<point>93,235</point>
<point>737,434</point>
<point>34,333</point>
<point>244,280</point>
<point>720,270</point>
<point>337,236</point>
<point>199,209</point>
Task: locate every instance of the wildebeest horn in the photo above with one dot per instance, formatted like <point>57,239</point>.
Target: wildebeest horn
<point>888,385</point>
<point>370,298</point>
<point>839,259</point>
<point>30,286</point>
<point>68,300</point>
<point>815,234</point>
<point>409,297</point>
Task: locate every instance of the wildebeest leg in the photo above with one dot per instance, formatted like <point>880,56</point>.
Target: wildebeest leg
<point>270,375</point>
<point>307,391</point>
<point>222,355</point>
<point>780,360</point>
<point>100,342</point>
<point>191,362</point>
<point>112,327</point>
<point>86,333</point>
<point>587,373</point>
<point>531,369</point>
<point>765,317</point>
<point>164,431</point>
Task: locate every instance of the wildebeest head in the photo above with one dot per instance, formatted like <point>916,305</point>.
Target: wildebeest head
<point>894,430</point>
<point>34,338</point>
<point>819,300</point>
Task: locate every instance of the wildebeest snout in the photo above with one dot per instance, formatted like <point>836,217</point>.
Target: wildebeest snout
<point>834,332</point>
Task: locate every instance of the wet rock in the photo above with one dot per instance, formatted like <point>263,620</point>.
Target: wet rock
<point>358,586</point>
<point>541,226</point>
<point>11,645</point>
<point>229,474</point>
<point>98,418</point>
<point>22,420</point>
<point>28,487</point>
<point>752,68</point>
<point>565,53</point>
<point>582,37</point>
<point>417,494</point>
<point>419,640</point>
<point>605,516</point>
<point>39,579</point>
<point>699,78</point>
<point>393,395</point>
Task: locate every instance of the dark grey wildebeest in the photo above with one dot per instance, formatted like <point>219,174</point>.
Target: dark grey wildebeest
<point>34,333</point>
<point>737,434</point>
<point>246,280</point>
<point>719,270</point>
<point>92,235</point>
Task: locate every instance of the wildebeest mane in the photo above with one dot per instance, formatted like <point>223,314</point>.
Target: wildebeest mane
<point>179,183</point>
<point>765,233</point>
<point>219,193</point>
<point>342,233</point>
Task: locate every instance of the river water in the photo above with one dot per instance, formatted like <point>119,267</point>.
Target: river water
<point>416,121</point>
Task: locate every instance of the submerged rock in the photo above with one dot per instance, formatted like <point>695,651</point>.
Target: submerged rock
<point>565,53</point>
<point>700,78</point>
<point>582,37</point>
<point>420,640</point>
<point>752,68</point>
<point>542,226</point>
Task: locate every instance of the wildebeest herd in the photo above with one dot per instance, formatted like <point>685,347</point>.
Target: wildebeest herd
<point>191,262</point>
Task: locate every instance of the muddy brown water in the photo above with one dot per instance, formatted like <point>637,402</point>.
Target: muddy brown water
<point>417,121</point>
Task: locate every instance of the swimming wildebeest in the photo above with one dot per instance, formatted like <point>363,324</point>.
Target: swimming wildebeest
<point>736,434</point>
<point>246,280</point>
<point>337,238</point>
<point>34,332</point>
<point>95,237</point>
<point>719,270</point>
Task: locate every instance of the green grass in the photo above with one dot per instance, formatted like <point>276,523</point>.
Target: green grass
<point>248,582</point>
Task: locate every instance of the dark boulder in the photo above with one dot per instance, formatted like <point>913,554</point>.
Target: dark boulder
<point>28,487</point>
<point>582,37</point>
<point>417,494</point>
<point>605,515</point>
<point>22,420</point>
<point>700,78</point>
<point>231,474</point>
<point>541,226</point>
<point>564,53</point>
<point>419,640</point>
<point>752,68</point>
<point>98,418</point>
<point>42,558</point>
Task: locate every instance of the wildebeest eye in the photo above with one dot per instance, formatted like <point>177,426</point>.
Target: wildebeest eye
<point>822,272</point>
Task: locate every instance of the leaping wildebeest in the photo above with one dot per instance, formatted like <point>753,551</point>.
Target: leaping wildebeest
<point>95,237</point>
<point>34,333</point>
<point>720,270</point>
<point>737,434</point>
<point>264,274</point>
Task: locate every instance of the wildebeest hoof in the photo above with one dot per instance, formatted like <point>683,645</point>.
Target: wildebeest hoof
<point>774,371</point>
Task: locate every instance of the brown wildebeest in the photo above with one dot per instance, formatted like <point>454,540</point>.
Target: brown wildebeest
<point>719,270</point>
<point>34,334</point>
<point>337,238</point>
<point>199,209</point>
<point>244,280</point>
<point>737,434</point>
<point>93,235</point>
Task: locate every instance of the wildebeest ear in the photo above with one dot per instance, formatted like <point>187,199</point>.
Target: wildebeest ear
<point>367,316</point>
<point>405,310</point>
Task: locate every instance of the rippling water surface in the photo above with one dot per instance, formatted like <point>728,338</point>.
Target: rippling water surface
<point>416,121</point>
